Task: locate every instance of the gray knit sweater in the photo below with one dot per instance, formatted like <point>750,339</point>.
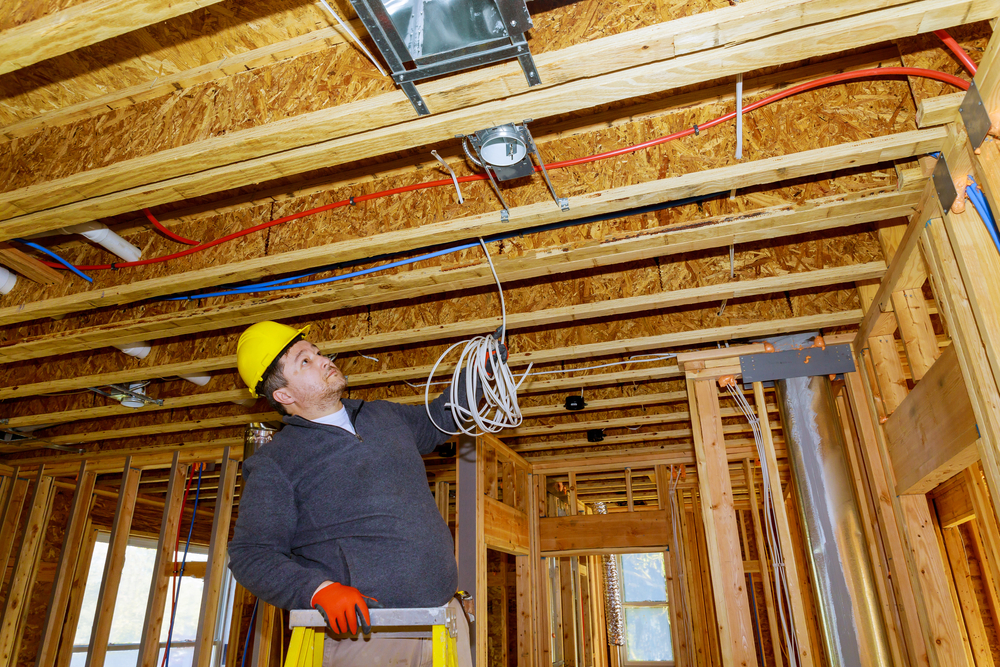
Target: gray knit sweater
<point>320,503</point>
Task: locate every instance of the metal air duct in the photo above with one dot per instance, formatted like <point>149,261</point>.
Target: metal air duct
<point>851,623</point>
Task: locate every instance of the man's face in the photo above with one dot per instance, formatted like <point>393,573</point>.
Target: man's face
<point>314,381</point>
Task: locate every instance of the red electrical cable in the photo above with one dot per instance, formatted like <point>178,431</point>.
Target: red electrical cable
<point>879,73</point>
<point>159,225</point>
<point>956,48</point>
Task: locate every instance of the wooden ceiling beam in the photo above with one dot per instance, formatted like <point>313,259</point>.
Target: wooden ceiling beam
<point>46,346</point>
<point>600,72</point>
<point>555,355</point>
<point>614,249</point>
<point>611,423</point>
<point>84,24</point>
<point>612,201</point>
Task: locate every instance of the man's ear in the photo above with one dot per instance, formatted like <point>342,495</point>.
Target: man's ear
<point>283,396</point>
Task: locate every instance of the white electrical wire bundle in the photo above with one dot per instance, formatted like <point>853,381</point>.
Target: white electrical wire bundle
<point>770,530</point>
<point>482,356</point>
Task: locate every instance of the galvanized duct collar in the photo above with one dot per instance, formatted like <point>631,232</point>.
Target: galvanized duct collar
<point>612,594</point>
<point>256,436</point>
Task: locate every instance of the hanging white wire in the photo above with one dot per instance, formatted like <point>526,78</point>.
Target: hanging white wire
<point>770,529</point>
<point>481,357</point>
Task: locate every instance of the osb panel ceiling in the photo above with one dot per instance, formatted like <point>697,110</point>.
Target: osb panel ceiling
<point>260,110</point>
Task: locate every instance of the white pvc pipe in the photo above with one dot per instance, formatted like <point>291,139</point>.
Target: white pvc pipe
<point>139,349</point>
<point>200,380</point>
<point>107,239</point>
<point>7,280</point>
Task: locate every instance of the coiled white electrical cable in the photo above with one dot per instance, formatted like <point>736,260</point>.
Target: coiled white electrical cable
<point>770,529</point>
<point>481,356</point>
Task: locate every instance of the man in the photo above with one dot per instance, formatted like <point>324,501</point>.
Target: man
<point>336,512</point>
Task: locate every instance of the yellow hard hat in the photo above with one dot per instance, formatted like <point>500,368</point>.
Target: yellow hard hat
<point>259,346</point>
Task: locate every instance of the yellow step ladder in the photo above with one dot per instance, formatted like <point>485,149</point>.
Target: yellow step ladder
<point>440,624</point>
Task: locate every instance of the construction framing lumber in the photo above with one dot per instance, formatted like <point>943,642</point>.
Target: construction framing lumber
<point>55,614</point>
<point>215,568</point>
<point>26,564</point>
<point>28,266</point>
<point>249,156</point>
<point>773,222</point>
<point>932,436</point>
<point>17,491</point>
<point>626,532</point>
<point>616,200</point>
<point>117,543</point>
<point>628,346</point>
<point>57,344</point>
<point>149,643</point>
<point>82,25</point>
<point>719,518</point>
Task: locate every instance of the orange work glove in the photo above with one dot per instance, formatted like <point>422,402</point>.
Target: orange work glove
<point>343,607</point>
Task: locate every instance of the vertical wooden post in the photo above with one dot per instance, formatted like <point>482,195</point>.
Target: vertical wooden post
<point>793,577</point>
<point>955,547</point>
<point>240,598</point>
<point>985,518</point>
<point>81,571</point>
<point>724,557</point>
<point>765,570</point>
<point>117,544</point>
<point>570,658</point>
<point>888,371</point>
<point>671,559</point>
<point>149,644</point>
<point>711,615</point>
<point>469,536</point>
<point>24,570</point>
<point>442,491</point>
<point>536,509</point>
<point>215,568</point>
<point>13,504</point>
<point>525,636</point>
<point>72,543</point>
<point>691,584</point>
<point>263,634</point>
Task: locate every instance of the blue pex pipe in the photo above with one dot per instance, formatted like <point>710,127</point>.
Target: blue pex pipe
<point>982,207</point>
<point>57,258</point>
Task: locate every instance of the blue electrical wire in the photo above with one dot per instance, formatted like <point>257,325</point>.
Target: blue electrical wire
<point>57,258</point>
<point>979,202</point>
<point>283,284</point>
<point>277,285</point>
<point>246,642</point>
<point>180,575</point>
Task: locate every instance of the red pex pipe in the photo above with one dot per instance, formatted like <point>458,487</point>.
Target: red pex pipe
<point>879,73</point>
<point>956,48</point>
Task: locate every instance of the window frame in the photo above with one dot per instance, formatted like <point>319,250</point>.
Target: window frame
<point>227,598</point>
<point>623,649</point>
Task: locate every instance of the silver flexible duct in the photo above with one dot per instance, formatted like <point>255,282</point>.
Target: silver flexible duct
<point>851,622</point>
<point>612,594</point>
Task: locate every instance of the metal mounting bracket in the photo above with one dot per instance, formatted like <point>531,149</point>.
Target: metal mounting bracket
<point>975,116</point>
<point>943,185</point>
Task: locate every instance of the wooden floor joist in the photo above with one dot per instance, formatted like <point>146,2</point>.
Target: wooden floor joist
<point>235,160</point>
<point>84,24</point>
<point>98,337</point>
<point>616,200</point>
